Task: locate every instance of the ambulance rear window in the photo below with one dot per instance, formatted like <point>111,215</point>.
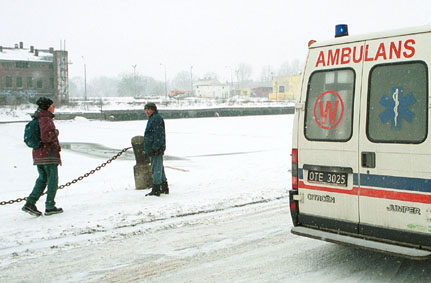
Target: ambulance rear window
<point>398,103</point>
<point>329,105</point>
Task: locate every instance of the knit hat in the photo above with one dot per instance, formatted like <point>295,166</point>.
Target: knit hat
<point>44,103</point>
<point>151,106</point>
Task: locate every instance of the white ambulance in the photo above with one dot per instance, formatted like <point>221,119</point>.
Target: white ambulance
<point>361,150</point>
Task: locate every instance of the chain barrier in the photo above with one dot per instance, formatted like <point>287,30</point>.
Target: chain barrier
<point>77,179</point>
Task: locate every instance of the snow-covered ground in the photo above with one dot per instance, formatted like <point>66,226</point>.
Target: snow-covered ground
<point>213,164</point>
<point>226,220</point>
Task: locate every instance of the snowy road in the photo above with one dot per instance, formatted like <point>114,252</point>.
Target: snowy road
<point>226,219</point>
<point>245,244</point>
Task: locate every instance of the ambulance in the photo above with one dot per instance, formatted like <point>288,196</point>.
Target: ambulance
<point>361,149</point>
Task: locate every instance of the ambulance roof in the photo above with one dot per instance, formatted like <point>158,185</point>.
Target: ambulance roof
<point>370,36</point>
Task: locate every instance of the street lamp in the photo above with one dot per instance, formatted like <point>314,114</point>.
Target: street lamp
<point>134,80</point>
<point>231,79</point>
<point>191,80</point>
<point>85,79</point>
<point>237,78</point>
<point>166,87</point>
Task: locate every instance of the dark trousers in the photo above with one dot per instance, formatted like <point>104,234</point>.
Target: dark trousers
<point>48,175</point>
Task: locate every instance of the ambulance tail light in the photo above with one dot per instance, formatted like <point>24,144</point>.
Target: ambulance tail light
<point>294,168</point>
<point>341,30</point>
<point>293,193</point>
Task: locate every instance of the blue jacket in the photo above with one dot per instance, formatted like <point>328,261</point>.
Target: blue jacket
<point>155,136</point>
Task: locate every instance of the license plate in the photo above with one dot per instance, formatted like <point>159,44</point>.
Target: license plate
<point>333,178</point>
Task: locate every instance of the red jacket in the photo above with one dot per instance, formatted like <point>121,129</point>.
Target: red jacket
<point>49,152</point>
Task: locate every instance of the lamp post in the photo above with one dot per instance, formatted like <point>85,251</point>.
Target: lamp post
<point>166,87</point>
<point>237,78</point>
<point>134,80</point>
<point>272,83</point>
<point>231,80</point>
<point>85,79</point>
<point>191,80</point>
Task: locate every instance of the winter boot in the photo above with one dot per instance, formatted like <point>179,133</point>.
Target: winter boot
<point>54,210</point>
<point>165,188</point>
<point>155,191</point>
<point>31,209</point>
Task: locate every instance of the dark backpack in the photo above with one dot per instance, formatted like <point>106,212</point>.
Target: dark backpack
<point>32,134</point>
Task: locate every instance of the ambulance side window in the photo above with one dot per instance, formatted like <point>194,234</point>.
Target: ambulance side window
<point>329,105</point>
<point>398,103</point>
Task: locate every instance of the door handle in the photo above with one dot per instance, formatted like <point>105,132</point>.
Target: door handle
<point>368,159</point>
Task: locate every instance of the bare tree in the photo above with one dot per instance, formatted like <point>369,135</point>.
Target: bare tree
<point>138,86</point>
<point>210,76</point>
<point>76,86</point>
<point>243,74</point>
<point>182,80</point>
<point>103,87</point>
<point>266,75</point>
<point>289,68</point>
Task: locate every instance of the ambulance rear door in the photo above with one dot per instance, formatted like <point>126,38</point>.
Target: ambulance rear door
<point>327,141</point>
<point>394,148</point>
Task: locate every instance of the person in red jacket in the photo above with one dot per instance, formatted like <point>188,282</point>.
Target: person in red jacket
<point>46,158</point>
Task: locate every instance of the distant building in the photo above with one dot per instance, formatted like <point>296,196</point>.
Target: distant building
<point>262,91</point>
<point>28,73</point>
<point>285,87</point>
<point>210,88</point>
<point>245,92</point>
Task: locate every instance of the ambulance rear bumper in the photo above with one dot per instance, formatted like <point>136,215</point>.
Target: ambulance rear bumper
<point>387,248</point>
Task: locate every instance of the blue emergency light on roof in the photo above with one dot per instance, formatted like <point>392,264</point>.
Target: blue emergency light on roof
<point>341,30</point>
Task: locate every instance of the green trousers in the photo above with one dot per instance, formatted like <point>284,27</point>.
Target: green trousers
<point>48,175</point>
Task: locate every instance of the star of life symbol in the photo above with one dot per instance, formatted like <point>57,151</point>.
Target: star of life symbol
<point>397,108</point>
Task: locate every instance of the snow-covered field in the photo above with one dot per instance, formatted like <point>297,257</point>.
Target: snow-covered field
<point>213,164</point>
<point>226,220</point>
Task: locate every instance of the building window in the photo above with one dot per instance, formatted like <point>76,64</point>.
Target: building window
<point>39,83</point>
<point>18,82</point>
<point>281,88</point>
<point>7,64</point>
<point>8,81</point>
<point>51,83</point>
<point>19,64</point>
<point>29,82</point>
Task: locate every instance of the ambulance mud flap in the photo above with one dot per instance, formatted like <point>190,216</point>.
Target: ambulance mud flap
<point>396,250</point>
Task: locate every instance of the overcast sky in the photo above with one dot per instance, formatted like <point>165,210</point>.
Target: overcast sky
<point>212,36</point>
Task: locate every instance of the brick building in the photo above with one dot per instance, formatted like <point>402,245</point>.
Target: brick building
<point>28,73</point>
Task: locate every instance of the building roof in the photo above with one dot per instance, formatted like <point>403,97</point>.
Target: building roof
<point>25,54</point>
<point>210,82</point>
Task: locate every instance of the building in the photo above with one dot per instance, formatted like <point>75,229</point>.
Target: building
<point>262,91</point>
<point>211,88</point>
<point>29,73</point>
<point>285,87</point>
<point>245,92</point>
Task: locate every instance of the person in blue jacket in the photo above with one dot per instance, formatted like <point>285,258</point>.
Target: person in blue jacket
<point>154,147</point>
